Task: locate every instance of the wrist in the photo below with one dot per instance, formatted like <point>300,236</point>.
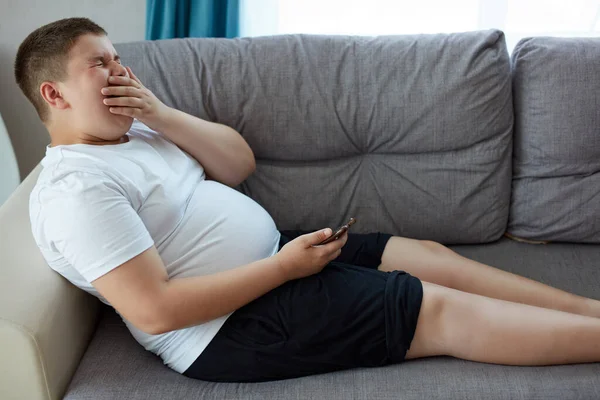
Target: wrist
<point>162,120</point>
<point>280,269</point>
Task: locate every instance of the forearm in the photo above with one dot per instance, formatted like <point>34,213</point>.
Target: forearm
<point>222,152</point>
<point>195,300</point>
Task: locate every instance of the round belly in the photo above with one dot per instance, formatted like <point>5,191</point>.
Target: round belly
<point>221,229</point>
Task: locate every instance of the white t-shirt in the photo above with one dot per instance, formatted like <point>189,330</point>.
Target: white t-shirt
<point>95,207</point>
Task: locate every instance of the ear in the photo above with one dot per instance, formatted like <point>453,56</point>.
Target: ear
<point>51,93</point>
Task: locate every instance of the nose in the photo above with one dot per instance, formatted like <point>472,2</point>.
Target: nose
<point>117,69</point>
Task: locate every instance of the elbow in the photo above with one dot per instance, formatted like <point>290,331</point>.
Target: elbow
<point>154,323</point>
<point>249,163</point>
<point>242,176</point>
<point>157,327</point>
<point>251,160</point>
<point>234,177</point>
<point>251,168</point>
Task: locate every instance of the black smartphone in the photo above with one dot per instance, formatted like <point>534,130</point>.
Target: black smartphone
<point>338,232</point>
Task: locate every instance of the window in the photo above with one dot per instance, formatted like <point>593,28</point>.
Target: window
<point>517,18</point>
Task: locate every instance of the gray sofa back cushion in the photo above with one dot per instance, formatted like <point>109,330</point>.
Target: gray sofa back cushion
<point>556,187</point>
<point>412,135</point>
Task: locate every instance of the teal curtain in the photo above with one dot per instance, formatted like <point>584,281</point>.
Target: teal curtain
<point>166,19</point>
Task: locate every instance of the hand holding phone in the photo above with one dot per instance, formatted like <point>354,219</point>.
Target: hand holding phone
<point>338,232</point>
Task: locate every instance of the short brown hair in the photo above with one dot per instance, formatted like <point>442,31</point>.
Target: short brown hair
<point>43,56</point>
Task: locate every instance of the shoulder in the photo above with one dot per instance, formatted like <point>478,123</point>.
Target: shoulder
<point>64,191</point>
<point>62,181</point>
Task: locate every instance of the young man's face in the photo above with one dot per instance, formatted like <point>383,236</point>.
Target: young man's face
<point>91,61</point>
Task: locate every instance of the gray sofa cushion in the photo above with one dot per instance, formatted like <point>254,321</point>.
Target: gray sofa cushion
<point>556,186</point>
<point>116,367</point>
<point>412,135</point>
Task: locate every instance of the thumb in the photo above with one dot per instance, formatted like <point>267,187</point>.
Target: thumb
<point>321,235</point>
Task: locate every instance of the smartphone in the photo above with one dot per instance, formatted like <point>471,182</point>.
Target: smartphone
<point>338,232</point>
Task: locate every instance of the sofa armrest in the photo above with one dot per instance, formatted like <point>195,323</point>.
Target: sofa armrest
<point>45,322</point>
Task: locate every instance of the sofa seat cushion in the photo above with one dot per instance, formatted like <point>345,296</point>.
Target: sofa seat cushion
<point>116,367</point>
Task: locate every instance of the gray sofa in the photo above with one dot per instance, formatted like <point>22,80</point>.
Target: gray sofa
<point>439,137</point>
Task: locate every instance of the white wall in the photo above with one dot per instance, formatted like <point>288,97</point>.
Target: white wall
<point>124,20</point>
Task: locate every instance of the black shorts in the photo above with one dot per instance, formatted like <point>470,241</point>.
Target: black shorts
<point>348,315</point>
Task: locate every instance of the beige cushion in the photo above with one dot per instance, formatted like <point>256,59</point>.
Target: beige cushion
<point>45,322</point>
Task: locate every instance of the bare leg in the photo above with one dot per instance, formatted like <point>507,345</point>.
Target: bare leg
<point>478,328</point>
<point>433,262</point>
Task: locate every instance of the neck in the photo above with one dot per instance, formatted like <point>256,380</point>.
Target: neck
<point>66,141</point>
<point>64,136</point>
